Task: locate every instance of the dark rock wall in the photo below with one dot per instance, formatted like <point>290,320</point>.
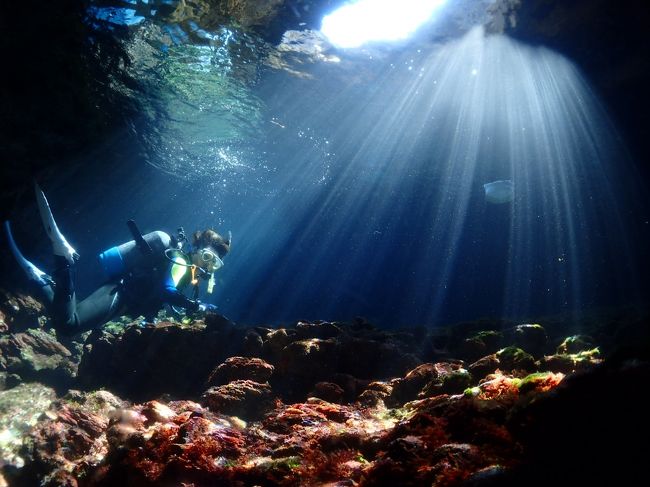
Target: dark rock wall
<point>59,98</point>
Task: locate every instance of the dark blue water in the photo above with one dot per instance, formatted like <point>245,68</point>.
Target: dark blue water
<point>357,191</point>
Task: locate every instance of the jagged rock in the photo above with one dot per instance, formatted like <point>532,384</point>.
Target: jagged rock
<point>303,363</point>
<point>243,398</point>
<point>175,452</point>
<point>456,459</point>
<point>37,355</point>
<point>235,368</point>
<point>371,398</point>
<point>18,311</point>
<point>383,387</point>
<point>427,441</point>
<point>404,448</point>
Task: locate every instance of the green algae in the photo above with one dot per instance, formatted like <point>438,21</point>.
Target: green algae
<point>575,344</point>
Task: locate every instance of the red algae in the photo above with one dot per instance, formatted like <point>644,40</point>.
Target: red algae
<point>437,439</point>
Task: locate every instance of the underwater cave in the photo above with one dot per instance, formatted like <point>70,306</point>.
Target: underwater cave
<point>324,242</point>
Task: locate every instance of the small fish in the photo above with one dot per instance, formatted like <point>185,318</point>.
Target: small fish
<point>498,192</point>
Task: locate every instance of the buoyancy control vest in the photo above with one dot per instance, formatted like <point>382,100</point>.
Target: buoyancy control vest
<point>128,257</point>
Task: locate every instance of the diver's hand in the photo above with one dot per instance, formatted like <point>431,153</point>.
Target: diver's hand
<point>206,307</point>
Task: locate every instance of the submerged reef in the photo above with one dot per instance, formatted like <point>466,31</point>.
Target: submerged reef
<point>210,402</point>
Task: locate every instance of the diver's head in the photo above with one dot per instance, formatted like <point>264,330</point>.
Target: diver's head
<point>209,250</point>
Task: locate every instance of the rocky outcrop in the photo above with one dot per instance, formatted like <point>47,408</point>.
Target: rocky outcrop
<point>235,368</point>
<point>146,362</point>
<point>19,312</point>
<point>243,398</point>
<point>296,444</point>
<point>434,423</point>
<point>36,355</point>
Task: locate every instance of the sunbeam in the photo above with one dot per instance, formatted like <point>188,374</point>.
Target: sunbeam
<point>402,220</point>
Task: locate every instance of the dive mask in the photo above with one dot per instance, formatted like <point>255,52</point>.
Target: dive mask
<point>211,259</point>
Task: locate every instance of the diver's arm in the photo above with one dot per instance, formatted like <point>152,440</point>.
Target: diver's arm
<point>174,297</point>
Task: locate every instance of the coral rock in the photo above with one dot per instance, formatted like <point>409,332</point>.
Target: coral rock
<point>328,391</point>
<point>571,362</point>
<point>20,409</point>
<point>274,342</point>
<point>575,344</point>
<point>37,355</point>
<point>241,368</point>
<point>407,388</point>
<point>244,398</point>
<point>156,412</point>
<point>312,359</point>
<point>513,358</point>
<point>531,337</point>
<point>484,366</point>
<point>451,378</point>
<point>217,322</point>
<point>323,330</point>
<point>19,311</point>
<point>481,344</point>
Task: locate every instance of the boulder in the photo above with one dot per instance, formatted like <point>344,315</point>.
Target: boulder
<point>531,337</point>
<point>513,358</point>
<point>328,391</point>
<point>241,368</point>
<point>243,398</point>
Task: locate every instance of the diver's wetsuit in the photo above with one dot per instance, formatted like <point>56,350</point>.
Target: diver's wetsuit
<point>142,292</point>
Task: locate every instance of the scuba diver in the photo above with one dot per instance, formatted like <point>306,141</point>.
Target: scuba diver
<point>144,274</point>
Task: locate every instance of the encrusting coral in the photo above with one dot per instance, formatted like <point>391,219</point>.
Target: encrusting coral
<point>301,412</point>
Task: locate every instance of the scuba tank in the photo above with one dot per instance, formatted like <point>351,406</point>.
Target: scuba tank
<point>124,258</point>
